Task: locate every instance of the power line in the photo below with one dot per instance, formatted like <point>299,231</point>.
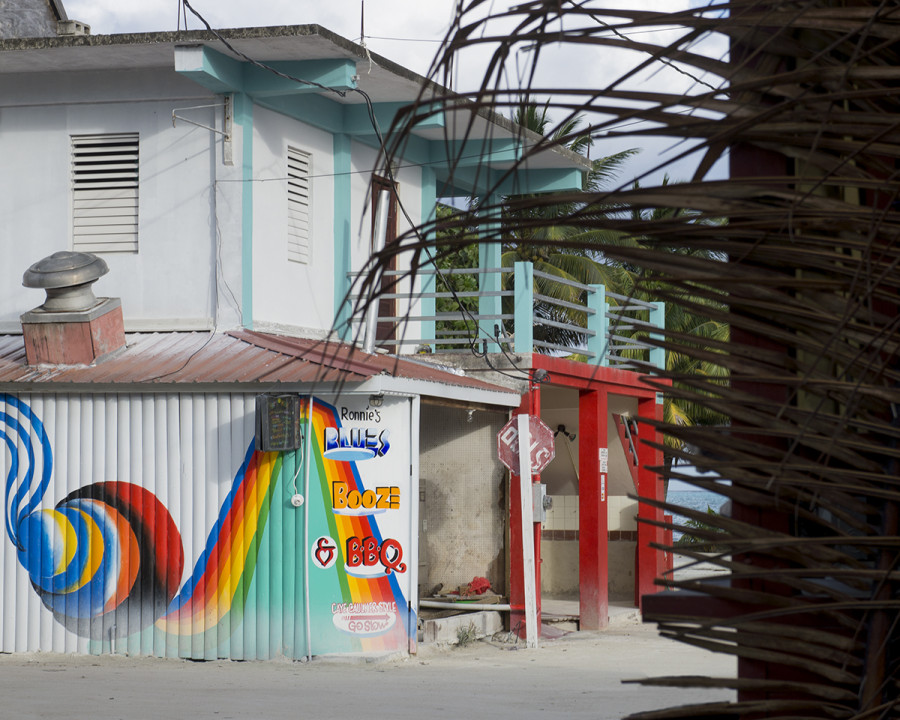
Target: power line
<point>374,122</point>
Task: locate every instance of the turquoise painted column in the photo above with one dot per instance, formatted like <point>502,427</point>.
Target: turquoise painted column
<point>342,169</point>
<point>599,324</point>
<point>243,118</point>
<point>428,283</point>
<point>524,307</point>
<point>657,354</point>
<point>489,257</point>
<point>658,319</point>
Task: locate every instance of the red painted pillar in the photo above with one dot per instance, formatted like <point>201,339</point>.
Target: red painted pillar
<point>593,534</point>
<point>650,562</point>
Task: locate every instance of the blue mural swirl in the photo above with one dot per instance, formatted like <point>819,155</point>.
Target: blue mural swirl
<point>107,559</point>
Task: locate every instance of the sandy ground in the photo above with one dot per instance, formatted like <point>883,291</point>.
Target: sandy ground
<point>576,676</point>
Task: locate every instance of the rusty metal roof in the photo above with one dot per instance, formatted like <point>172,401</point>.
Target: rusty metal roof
<point>241,356</point>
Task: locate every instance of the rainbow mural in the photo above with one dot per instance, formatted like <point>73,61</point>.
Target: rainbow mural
<point>107,560</point>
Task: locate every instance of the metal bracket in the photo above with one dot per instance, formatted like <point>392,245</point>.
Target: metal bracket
<point>228,122</point>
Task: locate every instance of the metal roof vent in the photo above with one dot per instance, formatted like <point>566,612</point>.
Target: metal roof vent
<point>72,326</point>
<point>67,277</point>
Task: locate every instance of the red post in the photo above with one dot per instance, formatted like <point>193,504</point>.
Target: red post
<point>593,528</point>
<point>650,562</point>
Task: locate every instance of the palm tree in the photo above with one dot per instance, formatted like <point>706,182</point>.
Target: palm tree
<point>542,236</point>
<point>805,105</point>
<point>555,248</point>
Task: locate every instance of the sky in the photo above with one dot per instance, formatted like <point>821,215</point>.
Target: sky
<point>410,32</point>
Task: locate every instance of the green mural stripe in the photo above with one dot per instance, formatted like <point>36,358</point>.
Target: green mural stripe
<point>332,523</point>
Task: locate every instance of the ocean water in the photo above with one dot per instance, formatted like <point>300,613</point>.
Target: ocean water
<point>695,500</point>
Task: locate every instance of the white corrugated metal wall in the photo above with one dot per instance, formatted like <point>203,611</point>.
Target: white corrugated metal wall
<point>149,524</point>
<point>183,448</point>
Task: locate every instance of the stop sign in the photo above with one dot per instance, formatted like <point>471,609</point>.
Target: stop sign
<point>543,449</point>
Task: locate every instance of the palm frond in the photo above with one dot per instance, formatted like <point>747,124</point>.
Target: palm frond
<point>805,274</point>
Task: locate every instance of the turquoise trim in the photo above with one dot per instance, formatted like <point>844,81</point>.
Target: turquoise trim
<point>357,121</point>
<point>428,283</point>
<point>474,153</point>
<point>210,69</point>
<point>524,307</point>
<point>599,324</point>
<point>337,74</point>
<point>658,354</point>
<point>342,234</point>
<point>541,181</point>
<point>243,118</point>
<point>314,110</point>
<point>480,180</point>
<point>222,74</point>
<point>468,160</point>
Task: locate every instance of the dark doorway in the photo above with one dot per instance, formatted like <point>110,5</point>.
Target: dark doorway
<point>387,307</point>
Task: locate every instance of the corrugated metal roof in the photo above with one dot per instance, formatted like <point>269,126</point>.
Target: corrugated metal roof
<point>241,356</point>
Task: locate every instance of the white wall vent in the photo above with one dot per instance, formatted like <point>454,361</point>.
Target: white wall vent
<point>298,172</point>
<point>105,192</point>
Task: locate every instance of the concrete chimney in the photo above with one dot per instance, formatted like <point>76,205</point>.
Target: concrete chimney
<point>72,327</point>
<point>37,18</point>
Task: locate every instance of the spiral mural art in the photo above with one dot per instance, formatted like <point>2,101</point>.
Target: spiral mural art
<point>109,562</point>
<point>103,559</point>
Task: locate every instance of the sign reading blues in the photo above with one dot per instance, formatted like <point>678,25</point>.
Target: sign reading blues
<point>355,444</point>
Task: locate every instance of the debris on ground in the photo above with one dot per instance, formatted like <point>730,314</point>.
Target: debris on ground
<point>478,586</point>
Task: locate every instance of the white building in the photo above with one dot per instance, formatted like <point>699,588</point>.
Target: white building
<point>220,194</point>
<point>227,182</point>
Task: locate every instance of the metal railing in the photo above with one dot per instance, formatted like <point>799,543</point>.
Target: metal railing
<point>607,333</point>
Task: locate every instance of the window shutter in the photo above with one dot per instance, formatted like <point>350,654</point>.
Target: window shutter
<point>298,164</point>
<point>105,192</point>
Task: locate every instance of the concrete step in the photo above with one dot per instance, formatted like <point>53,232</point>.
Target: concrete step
<point>469,625</point>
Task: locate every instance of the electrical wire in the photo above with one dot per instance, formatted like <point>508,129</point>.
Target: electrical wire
<point>256,63</point>
<point>464,311</point>
<point>298,462</point>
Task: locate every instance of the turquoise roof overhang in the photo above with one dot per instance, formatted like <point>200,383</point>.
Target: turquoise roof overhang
<point>328,100</point>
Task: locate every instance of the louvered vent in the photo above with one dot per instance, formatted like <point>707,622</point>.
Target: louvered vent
<point>105,192</point>
<point>298,163</point>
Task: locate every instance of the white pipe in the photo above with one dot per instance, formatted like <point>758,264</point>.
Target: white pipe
<point>528,561</point>
<point>463,605</point>
<point>381,219</point>
<point>309,432</point>
<point>414,490</point>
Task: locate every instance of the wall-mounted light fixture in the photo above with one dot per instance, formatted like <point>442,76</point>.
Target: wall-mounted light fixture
<point>376,400</point>
<point>540,375</point>
<point>562,429</point>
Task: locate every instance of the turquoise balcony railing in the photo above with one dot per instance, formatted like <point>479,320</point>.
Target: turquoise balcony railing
<point>503,307</point>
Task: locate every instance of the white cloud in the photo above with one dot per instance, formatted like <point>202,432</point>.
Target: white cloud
<point>406,31</point>
<point>425,20</point>
<point>409,32</point>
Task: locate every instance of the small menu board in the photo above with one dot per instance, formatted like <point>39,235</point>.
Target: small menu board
<point>278,423</point>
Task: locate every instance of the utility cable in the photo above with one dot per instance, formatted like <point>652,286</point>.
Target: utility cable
<point>256,63</point>
<point>464,311</point>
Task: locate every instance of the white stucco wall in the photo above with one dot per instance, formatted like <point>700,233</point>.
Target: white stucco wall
<point>286,292</point>
<point>170,279</point>
<point>193,254</point>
